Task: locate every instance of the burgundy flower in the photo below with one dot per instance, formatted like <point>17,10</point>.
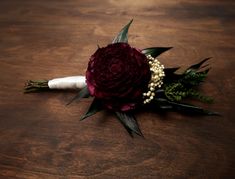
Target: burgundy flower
<point>118,75</point>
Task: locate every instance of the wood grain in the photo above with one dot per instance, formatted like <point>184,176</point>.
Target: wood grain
<point>40,137</point>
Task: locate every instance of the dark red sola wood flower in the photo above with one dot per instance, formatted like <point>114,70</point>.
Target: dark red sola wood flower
<point>118,75</point>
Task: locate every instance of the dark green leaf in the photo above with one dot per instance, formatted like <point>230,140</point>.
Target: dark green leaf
<point>123,34</point>
<point>163,103</point>
<point>94,108</point>
<point>188,108</point>
<point>128,130</point>
<point>204,66</point>
<point>83,93</point>
<point>161,100</point>
<point>129,122</point>
<point>171,77</point>
<point>198,65</point>
<point>171,70</point>
<point>155,51</point>
<point>204,71</point>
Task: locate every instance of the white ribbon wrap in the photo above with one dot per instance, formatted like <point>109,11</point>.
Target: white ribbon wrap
<point>71,82</point>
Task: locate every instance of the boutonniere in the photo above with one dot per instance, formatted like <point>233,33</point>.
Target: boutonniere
<point>122,79</point>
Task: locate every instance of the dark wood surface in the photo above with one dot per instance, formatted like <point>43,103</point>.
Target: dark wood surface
<point>40,137</point>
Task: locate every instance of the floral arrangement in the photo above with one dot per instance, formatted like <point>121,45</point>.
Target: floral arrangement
<point>123,79</point>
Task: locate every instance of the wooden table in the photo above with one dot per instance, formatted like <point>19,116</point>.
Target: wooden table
<point>40,137</point>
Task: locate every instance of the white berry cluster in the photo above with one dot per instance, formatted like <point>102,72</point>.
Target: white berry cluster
<point>157,70</point>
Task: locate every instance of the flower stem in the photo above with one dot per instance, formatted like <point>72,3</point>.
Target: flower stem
<point>36,85</point>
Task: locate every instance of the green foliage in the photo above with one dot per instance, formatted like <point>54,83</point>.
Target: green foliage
<point>193,78</point>
<point>177,92</point>
<point>180,86</point>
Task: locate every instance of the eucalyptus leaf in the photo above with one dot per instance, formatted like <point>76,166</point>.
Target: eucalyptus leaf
<point>155,51</point>
<point>93,109</point>
<point>83,93</point>
<point>123,34</point>
<point>129,122</point>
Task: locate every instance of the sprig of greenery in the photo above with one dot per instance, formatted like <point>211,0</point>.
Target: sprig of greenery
<point>193,78</point>
<point>179,86</point>
<point>178,91</point>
